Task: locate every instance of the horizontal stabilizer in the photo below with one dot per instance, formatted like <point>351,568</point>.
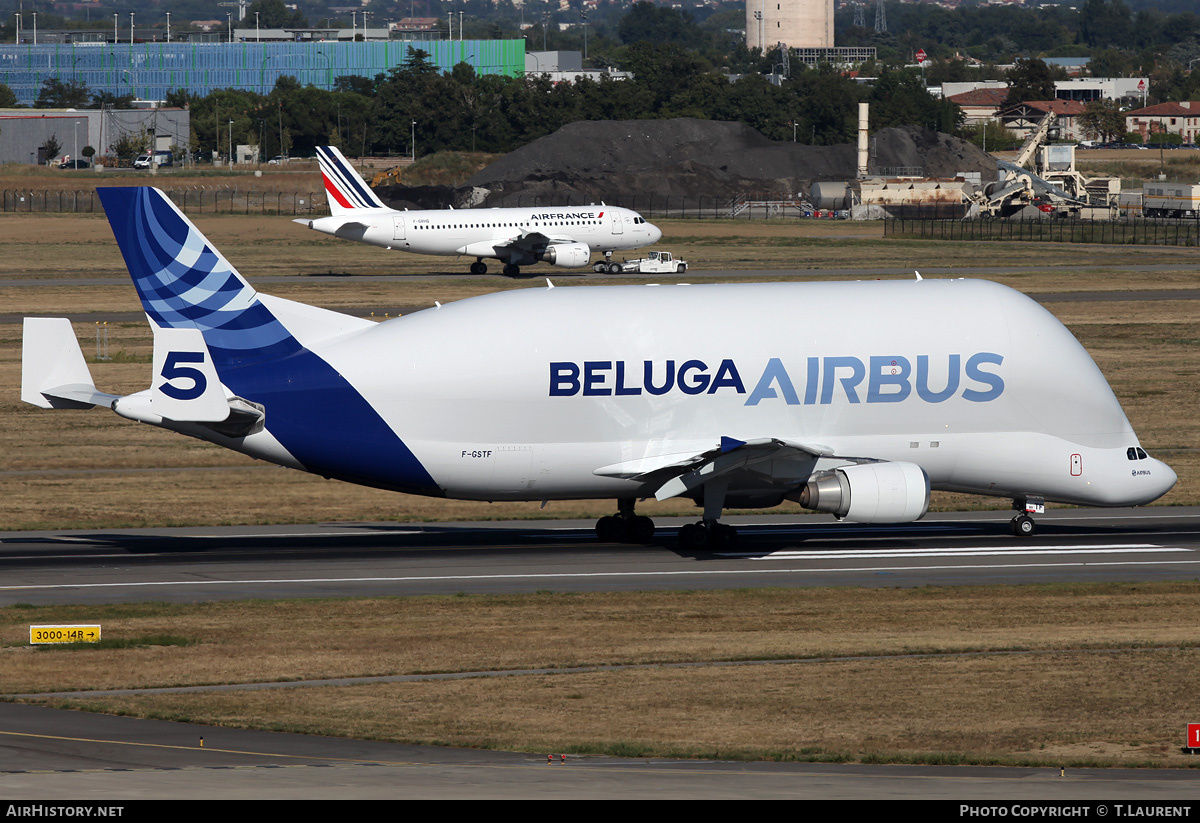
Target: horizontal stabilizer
<point>54,374</point>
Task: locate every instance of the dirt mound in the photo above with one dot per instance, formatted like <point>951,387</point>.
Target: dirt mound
<point>611,160</point>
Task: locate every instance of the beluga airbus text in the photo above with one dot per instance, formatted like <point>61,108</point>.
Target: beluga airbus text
<point>853,398</point>
<point>564,236</point>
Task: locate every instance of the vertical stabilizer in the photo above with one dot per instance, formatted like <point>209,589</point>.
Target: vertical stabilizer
<point>185,283</point>
<point>346,189</point>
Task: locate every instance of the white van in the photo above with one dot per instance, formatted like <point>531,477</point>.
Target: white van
<point>161,158</point>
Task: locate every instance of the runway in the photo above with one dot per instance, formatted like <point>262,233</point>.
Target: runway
<point>46,753</point>
<point>394,559</point>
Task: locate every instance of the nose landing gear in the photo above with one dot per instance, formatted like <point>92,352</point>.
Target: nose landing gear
<point>1023,525</point>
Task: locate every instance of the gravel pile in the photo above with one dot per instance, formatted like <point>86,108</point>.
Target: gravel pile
<point>611,160</point>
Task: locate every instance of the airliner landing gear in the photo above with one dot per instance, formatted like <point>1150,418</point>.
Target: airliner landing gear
<point>1023,525</point>
<point>606,265</point>
<point>709,533</point>
<point>625,526</point>
<point>511,271</point>
<point>479,267</point>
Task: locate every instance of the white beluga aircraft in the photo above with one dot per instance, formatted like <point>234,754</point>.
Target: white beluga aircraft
<point>853,398</point>
<point>563,236</point>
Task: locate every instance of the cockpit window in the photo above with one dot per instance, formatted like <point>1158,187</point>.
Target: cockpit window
<point>1141,454</point>
<point>1131,453</point>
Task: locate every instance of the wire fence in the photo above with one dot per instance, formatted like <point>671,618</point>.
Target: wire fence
<point>191,201</point>
<point>1139,231</point>
<point>251,201</point>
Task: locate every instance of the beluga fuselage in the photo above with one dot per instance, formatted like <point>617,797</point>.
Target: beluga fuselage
<point>852,398</point>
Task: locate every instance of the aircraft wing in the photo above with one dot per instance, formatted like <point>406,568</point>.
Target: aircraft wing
<point>535,239</point>
<point>678,474</point>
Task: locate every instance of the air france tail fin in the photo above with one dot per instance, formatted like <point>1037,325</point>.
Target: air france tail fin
<point>346,189</point>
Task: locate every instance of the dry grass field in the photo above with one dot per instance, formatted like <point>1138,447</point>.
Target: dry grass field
<point>1061,675</point>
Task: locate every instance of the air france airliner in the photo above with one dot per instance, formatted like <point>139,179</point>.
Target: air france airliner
<point>560,235</point>
<point>852,398</point>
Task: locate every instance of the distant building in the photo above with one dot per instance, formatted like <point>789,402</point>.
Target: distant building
<point>1166,118</point>
<point>23,131</point>
<point>804,24</point>
<point>980,105</point>
<point>1024,117</point>
<point>1087,89</point>
<point>151,70</point>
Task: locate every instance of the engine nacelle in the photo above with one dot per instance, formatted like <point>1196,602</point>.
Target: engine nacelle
<point>568,255</point>
<point>869,493</point>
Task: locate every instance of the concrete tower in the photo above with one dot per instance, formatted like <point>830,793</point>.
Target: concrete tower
<point>802,24</point>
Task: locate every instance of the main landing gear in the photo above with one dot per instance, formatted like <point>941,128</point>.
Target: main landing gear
<point>708,534</point>
<point>1023,525</point>
<point>625,526</point>
<point>479,267</point>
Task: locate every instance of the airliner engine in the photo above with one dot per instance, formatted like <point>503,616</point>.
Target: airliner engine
<point>568,255</point>
<point>869,493</point>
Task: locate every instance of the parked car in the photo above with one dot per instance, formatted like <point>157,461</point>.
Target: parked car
<point>75,164</point>
<point>277,160</point>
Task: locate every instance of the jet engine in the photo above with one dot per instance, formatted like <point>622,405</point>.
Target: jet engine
<point>869,493</point>
<point>568,255</point>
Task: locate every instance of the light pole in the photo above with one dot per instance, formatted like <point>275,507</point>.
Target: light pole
<point>414,141</point>
<point>35,28</point>
<point>257,38</point>
<point>131,35</point>
<point>168,27</point>
<point>583,16</point>
<point>460,37</point>
<point>231,145</point>
<point>229,22</point>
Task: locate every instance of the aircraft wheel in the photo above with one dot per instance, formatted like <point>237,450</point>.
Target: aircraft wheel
<point>726,536</point>
<point>1023,525</point>
<point>512,271</point>
<point>614,268</point>
<point>479,267</point>
<point>693,537</point>
<point>605,529</point>
<point>641,529</point>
